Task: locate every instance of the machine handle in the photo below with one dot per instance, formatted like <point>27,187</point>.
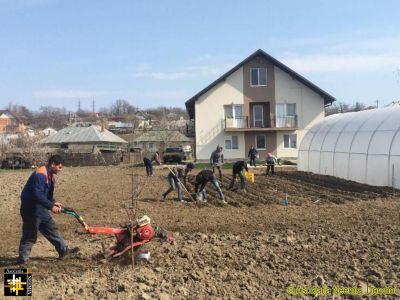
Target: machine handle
<point>71,212</point>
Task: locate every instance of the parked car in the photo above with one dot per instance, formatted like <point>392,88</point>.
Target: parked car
<point>173,154</point>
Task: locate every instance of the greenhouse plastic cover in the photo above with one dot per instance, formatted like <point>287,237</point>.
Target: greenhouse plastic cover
<point>360,146</point>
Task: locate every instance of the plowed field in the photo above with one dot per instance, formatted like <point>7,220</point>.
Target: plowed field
<point>332,232</point>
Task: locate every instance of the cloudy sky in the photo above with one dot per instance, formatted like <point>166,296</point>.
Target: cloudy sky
<point>152,53</point>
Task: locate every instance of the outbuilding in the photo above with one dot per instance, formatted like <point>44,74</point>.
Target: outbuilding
<point>359,146</point>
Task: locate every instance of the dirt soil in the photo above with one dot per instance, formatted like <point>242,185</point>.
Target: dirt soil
<point>332,232</point>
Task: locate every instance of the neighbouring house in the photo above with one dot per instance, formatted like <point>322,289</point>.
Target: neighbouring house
<point>30,132</point>
<point>87,146</point>
<point>179,123</point>
<point>120,127</point>
<point>158,140</point>
<point>85,139</point>
<point>48,131</point>
<point>259,102</point>
<point>10,122</point>
<point>142,120</point>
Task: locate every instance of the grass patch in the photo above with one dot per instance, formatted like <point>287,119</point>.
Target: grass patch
<point>287,162</point>
<point>202,166</point>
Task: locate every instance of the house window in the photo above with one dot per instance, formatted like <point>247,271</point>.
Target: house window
<point>258,116</point>
<point>233,111</point>
<point>232,142</point>
<point>258,77</point>
<point>151,145</point>
<point>286,109</point>
<point>286,115</point>
<point>290,141</point>
<point>261,142</point>
<point>234,116</point>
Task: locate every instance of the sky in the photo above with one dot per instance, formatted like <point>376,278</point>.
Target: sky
<point>161,53</point>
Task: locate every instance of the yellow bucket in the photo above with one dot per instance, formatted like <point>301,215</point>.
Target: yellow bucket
<point>249,176</point>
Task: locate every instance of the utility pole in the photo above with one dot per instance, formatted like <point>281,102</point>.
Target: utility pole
<point>79,105</point>
<point>93,106</point>
<point>377,103</point>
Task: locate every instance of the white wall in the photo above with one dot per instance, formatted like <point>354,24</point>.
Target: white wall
<point>209,110</point>
<point>309,108</point>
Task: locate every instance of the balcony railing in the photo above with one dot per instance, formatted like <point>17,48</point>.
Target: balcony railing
<point>238,122</point>
<point>286,121</point>
<point>245,123</point>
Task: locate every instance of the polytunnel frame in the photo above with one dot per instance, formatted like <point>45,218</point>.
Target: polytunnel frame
<point>390,156</point>
<point>322,144</point>
<point>390,169</point>
<point>369,144</point>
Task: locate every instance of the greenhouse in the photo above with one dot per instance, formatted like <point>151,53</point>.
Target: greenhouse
<point>360,146</point>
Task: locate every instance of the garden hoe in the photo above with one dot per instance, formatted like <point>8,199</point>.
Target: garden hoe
<point>184,187</point>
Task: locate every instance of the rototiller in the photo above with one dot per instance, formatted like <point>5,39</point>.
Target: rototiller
<point>143,232</point>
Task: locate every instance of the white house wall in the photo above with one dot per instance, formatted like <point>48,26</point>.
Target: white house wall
<point>309,108</point>
<point>209,108</point>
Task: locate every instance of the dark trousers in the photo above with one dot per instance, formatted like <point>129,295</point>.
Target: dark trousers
<point>272,168</point>
<point>242,183</point>
<point>219,171</point>
<point>149,166</point>
<point>173,182</point>
<point>204,191</point>
<point>30,227</point>
<point>252,161</point>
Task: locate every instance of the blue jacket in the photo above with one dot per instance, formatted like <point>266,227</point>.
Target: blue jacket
<point>37,195</point>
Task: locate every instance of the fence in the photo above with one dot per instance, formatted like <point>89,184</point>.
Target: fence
<point>132,158</point>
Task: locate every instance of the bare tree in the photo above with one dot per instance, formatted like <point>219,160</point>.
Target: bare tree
<point>337,107</point>
<point>172,113</point>
<point>49,116</point>
<point>29,149</point>
<point>358,106</point>
<point>122,107</point>
<point>137,187</point>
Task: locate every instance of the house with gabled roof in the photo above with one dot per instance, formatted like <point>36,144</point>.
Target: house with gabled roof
<point>158,140</point>
<point>259,102</point>
<point>10,122</point>
<point>85,139</point>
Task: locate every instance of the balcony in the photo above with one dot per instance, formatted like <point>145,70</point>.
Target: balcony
<point>286,121</point>
<point>245,124</point>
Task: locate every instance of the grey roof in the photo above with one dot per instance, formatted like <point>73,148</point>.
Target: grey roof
<point>327,97</point>
<point>163,136</point>
<point>91,134</point>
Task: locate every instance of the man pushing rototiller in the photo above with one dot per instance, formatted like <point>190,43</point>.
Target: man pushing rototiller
<point>142,233</point>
